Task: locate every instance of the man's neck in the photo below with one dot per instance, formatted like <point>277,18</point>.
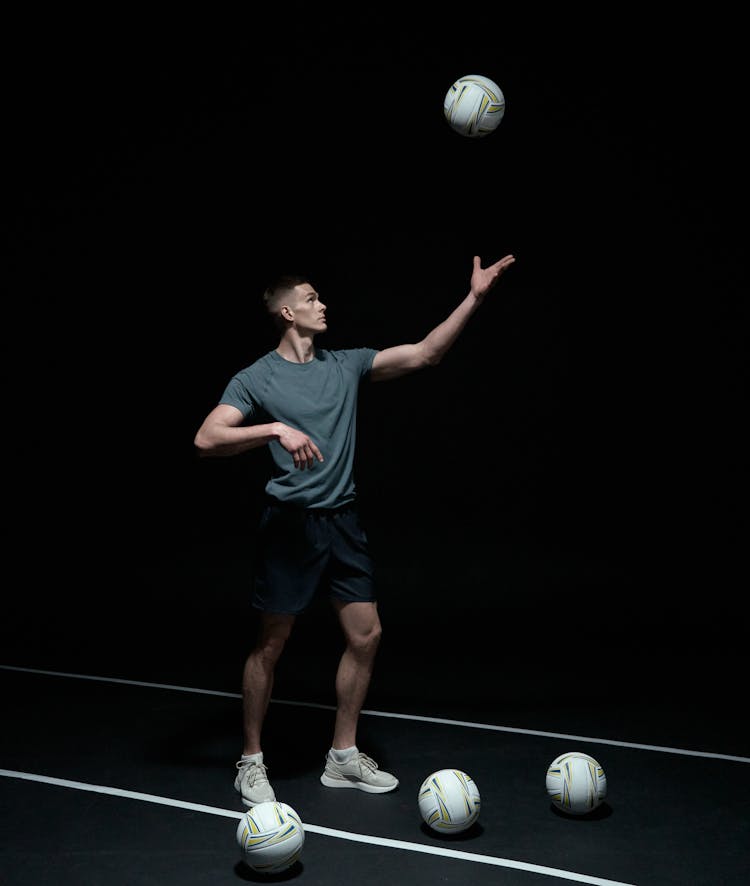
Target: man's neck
<point>296,349</point>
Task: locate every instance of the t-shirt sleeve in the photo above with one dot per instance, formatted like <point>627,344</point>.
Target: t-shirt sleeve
<point>237,393</point>
<point>365,357</point>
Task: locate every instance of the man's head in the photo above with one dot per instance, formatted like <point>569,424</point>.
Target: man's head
<point>292,300</point>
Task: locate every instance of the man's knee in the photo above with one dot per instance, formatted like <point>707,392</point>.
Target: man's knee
<point>361,625</point>
<point>272,638</point>
<point>366,639</point>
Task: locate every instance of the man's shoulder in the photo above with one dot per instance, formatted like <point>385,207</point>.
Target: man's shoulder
<point>347,354</point>
<point>260,363</point>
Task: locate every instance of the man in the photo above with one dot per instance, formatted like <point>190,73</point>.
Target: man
<point>301,402</point>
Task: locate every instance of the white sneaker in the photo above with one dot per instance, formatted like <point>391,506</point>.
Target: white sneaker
<point>360,772</point>
<point>252,782</point>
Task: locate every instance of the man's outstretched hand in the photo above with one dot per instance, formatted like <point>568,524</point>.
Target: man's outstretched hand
<point>483,279</point>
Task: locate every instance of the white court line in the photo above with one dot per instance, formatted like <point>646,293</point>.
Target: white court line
<point>326,832</point>
<point>465,723</point>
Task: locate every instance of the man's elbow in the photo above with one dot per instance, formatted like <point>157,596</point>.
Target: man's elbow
<point>203,443</point>
<point>431,357</point>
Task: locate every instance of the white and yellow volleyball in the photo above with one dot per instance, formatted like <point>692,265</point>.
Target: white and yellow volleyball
<point>449,801</point>
<point>270,836</point>
<point>576,783</point>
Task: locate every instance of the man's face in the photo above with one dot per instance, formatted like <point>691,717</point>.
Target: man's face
<point>309,310</point>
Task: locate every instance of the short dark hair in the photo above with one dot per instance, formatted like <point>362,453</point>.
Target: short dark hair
<point>277,289</point>
<point>282,283</point>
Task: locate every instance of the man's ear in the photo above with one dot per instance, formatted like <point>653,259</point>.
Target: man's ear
<point>286,312</point>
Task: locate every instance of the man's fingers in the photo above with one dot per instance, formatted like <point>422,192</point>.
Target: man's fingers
<point>306,455</point>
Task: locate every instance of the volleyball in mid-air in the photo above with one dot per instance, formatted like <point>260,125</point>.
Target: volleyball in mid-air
<point>271,837</point>
<point>449,801</point>
<point>576,783</point>
<point>474,106</point>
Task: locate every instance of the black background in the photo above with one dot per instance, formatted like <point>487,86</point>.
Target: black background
<point>582,442</point>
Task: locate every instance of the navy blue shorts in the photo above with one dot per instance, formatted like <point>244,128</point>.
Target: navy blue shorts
<point>302,550</point>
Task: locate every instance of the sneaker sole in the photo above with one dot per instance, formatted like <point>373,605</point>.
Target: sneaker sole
<point>252,803</point>
<point>331,782</point>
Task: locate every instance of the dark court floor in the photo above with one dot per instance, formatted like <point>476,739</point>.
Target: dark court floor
<point>117,758</point>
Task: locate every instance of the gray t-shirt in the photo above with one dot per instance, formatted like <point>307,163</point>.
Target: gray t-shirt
<point>319,398</point>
